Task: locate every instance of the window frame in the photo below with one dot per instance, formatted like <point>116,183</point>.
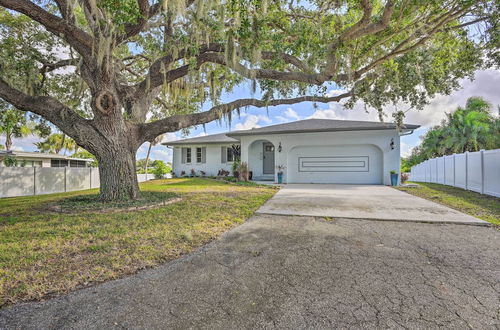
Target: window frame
<point>199,155</point>
<point>229,155</point>
<point>188,156</point>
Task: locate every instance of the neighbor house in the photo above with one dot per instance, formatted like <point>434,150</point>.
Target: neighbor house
<point>312,151</point>
<point>38,159</point>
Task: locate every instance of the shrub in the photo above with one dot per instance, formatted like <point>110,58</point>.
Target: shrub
<point>193,172</point>
<point>404,177</point>
<point>223,172</point>
<point>183,173</point>
<point>243,171</point>
<point>203,173</point>
<point>160,169</point>
<point>10,161</point>
<point>234,168</point>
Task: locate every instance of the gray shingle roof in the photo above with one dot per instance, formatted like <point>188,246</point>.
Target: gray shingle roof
<point>320,125</point>
<point>214,138</point>
<point>300,126</point>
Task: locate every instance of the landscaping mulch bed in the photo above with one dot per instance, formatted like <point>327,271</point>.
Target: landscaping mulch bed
<point>91,203</point>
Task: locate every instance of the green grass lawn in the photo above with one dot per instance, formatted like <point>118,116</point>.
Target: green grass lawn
<point>43,252</point>
<point>480,206</point>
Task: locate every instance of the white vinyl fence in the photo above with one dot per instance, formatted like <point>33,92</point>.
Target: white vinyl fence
<point>477,171</point>
<point>26,181</point>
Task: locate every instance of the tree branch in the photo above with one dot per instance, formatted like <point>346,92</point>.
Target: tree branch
<point>174,123</point>
<point>47,107</point>
<point>372,28</point>
<point>76,37</point>
<point>399,50</point>
<point>48,67</point>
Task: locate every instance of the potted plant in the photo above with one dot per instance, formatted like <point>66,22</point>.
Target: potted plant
<point>394,178</point>
<point>280,169</point>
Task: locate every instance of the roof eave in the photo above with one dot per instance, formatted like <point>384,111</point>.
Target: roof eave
<point>194,143</point>
<point>409,127</point>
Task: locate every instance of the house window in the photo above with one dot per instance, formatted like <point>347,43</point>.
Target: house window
<point>58,163</point>
<point>77,163</point>
<point>186,155</point>
<point>199,155</point>
<point>230,155</point>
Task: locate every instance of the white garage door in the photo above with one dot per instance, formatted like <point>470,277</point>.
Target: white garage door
<point>349,164</point>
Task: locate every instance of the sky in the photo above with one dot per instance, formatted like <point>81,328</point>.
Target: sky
<point>486,84</point>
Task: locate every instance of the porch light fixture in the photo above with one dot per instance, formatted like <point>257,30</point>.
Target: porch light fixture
<point>279,147</point>
<point>392,144</point>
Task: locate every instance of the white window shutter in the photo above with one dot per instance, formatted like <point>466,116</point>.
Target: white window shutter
<point>204,155</point>
<point>223,155</point>
<point>183,155</point>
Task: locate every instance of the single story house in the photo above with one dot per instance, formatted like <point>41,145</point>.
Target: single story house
<point>39,159</point>
<point>312,151</point>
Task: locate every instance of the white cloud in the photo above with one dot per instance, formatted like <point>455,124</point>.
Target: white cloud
<point>485,85</point>
<point>162,154</point>
<point>265,119</point>
<point>335,92</point>
<point>249,123</point>
<point>252,121</point>
<point>405,149</point>
<point>167,137</point>
<point>288,115</point>
<point>23,144</point>
<point>292,114</point>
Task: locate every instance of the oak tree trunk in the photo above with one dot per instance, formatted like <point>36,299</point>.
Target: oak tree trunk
<point>117,173</point>
<point>115,148</point>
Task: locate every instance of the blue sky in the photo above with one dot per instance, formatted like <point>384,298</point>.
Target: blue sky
<point>485,84</point>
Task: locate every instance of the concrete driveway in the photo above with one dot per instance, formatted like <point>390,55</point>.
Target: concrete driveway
<point>360,202</point>
<point>281,272</point>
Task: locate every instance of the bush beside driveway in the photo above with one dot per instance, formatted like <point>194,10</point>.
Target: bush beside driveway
<point>44,253</point>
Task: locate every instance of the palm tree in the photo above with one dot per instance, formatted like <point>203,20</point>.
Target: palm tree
<point>14,124</point>
<point>56,142</point>
<point>467,129</point>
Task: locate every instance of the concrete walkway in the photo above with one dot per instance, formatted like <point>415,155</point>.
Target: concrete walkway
<point>361,202</point>
<point>280,272</point>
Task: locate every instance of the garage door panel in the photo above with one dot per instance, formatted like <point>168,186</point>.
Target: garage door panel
<point>334,164</point>
<point>349,164</point>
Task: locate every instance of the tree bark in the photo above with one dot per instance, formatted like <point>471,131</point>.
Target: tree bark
<point>8,141</point>
<point>117,173</point>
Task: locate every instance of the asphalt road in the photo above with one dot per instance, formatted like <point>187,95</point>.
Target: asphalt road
<point>300,273</point>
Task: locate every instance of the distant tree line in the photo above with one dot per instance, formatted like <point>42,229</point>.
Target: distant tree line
<point>472,128</point>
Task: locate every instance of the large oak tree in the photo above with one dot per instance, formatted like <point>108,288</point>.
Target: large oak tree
<point>113,74</point>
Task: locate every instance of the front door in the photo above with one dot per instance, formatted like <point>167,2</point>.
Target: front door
<point>268,158</point>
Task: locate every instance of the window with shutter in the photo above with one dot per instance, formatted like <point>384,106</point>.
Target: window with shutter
<point>183,155</point>
<point>204,155</point>
<point>223,155</point>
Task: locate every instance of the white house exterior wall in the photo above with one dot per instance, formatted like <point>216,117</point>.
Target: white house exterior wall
<point>213,160</point>
<point>378,138</point>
